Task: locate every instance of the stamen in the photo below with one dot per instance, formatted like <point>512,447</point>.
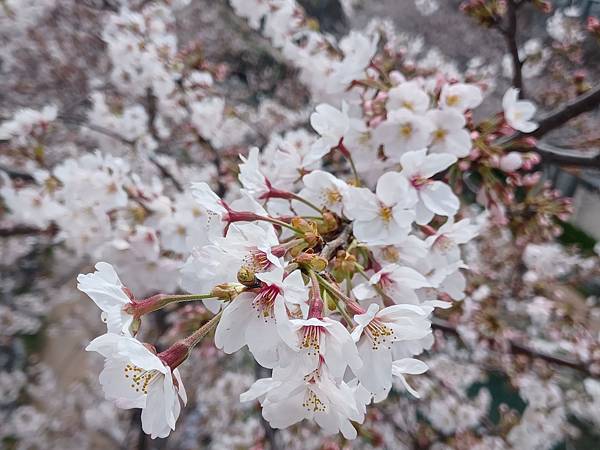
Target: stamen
<point>331,196</point>
<point>406,129</point>
<point>439,135</point>
<point>385,212</point>
<point>380,334</point>
<point>311,340</point>
<point>256,261</point>
<point>264,302</point>
<point>313,403</point>
<point>141,379</point>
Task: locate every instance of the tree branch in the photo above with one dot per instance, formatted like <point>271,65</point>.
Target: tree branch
<point>14,174</point>
<point>552,155</point>
<point>24,230</point>
<point>166,173</point>
<point>510,36</point>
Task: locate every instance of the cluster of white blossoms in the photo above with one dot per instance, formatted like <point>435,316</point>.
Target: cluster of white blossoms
<point>328,277</point>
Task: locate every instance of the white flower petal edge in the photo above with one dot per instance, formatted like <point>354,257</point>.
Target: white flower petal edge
<point>106,290</point>
<point>408,366</point>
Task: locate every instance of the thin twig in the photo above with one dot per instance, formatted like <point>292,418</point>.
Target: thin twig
<point>510,36</point>
<point>15,174</point>
<point>332,246</point>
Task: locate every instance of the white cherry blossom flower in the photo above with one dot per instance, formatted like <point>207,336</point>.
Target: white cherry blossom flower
<point>408,95</point>
<point>444,244</point>
<point>134,377</point>
<point>377,331</point>
<point>518,113</point>
<point>320,341</point>
<point>435,197</point>
<point>449,135</point>
<point>460,97</point>
<point>106,290</point>
<point>316,396</point>
<point>406,253</point>
<point>403,131</point>
<point>325,190</point>
<point>331,124</point>
<point>246,245</point>
<point>251,176</point>
<point>384,217</point>
<point>260,319</point>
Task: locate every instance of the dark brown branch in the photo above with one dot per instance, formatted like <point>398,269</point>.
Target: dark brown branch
<point>14,174</point>
<point>520,348</point>
<point>152,109</point>
<point>166,173</point>
<point>568,160</point>
<point>510,36</point>
<point>584,103</point>
<point>105,131</point>
<point>24,230</point>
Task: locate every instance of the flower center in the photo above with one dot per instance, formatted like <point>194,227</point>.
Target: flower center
<point>418,181</point>
<point>380,334</point>
<point>140,379</point>
<point>264,302</point>
<point>332,196</point>
<point>311,341</point>
<point>256,261</point>
<point>390,253</point>
<point>439,135</point>
<point>443,243</point>
<point>406,130</point>
<point>452,100</point>
<point>385,212</point>
<point>408,105</point>
<point>313,403</point>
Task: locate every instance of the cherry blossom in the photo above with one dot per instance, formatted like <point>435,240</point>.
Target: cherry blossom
<point>106,290</point>
<point>518,113</point>
<point>134,377</point>
<point>435,197</point>
<point>383,217</point>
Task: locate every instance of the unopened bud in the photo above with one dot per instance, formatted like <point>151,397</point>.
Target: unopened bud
<point>329,223</point>
<point>227,291</point>
<point>344,265</point>
<point>312,261</point>
<point>312,239</point>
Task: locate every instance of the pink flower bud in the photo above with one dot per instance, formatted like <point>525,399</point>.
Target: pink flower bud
<point>396,77</point>
<point>511,162</point>
<point>381,96</point>
<point>375,121</point>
